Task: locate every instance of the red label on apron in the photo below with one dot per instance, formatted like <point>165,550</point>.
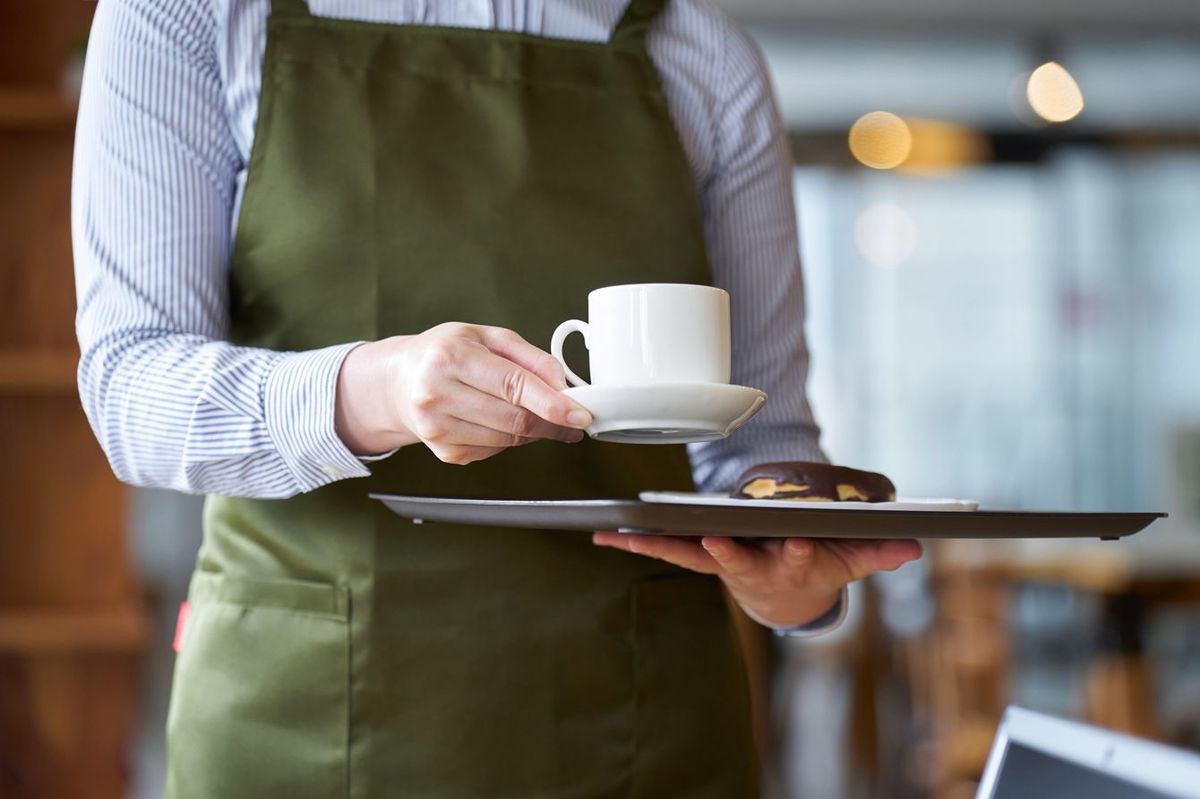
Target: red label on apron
<point>180,625</point>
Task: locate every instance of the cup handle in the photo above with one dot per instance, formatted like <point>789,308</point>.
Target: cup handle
<point>556,344</point>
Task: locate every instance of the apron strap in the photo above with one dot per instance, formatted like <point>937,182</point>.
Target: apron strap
<point>290,8</point>
<point>631,29</point>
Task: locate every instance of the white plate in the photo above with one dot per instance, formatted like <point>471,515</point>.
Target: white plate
<point>688,498</point>
<point>667,413</point>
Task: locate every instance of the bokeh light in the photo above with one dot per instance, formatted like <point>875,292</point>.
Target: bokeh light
<point>939,146</point>
<point>1053,93</point>
<point>880,140</point>
<point>885,235</point>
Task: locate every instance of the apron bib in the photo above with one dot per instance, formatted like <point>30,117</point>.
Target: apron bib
<point>403,176</point>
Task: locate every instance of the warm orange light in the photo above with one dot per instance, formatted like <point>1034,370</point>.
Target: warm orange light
<point>939,146</point>
<point>1053,93</point>
<point>880,140</point>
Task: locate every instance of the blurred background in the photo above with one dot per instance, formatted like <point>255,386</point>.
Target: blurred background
<point>1000,216</point>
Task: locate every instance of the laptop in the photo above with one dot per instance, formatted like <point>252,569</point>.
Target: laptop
<point>1036,756</point>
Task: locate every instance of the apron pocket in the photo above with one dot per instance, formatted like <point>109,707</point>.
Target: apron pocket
<point>259,705</point>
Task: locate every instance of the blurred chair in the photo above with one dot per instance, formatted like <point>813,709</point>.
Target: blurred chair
<point>958,670</point>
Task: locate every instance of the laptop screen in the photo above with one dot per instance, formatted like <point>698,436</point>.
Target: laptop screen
<point>1029,774</point>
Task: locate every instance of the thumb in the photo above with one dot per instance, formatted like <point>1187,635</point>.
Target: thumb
<point>889,555</point>
<point>862,558</point>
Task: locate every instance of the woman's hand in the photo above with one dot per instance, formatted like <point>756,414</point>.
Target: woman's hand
<point>465,391</point>
<point>783,582</point>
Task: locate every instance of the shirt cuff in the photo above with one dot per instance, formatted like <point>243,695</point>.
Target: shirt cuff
<point>827,622</point>
<point>379,457</point>
<point>300,392</point>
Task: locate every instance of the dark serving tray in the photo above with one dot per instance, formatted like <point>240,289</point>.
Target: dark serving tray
<point>635,516</point>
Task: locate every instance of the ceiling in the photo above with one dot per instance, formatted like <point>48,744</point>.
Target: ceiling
<point>824,81</point>
<point>933,16</point>
<point>1137,61</point>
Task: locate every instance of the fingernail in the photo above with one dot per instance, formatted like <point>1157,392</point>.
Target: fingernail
<point>579,418</point>
<point>574,437</point>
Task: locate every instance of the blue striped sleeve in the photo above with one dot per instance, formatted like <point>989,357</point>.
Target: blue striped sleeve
<point>173,404</point>
<point>751,230</point>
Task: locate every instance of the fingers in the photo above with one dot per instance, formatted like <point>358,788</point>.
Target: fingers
<point>517,423</point>
<point>734,558</point>
<point>679,551</point>
<point>466,402</point>
<point>511,345</point>
<point>519,386</point>
<point>798,552</point>
<point>855,559</point>
<point>459,455</point>
<point>710,555</point>
<point>448,433</point>
<point>783,581</point>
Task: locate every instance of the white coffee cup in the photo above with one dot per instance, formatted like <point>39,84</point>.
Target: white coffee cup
<point>649,333</point>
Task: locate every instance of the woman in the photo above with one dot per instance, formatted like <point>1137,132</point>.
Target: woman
<point>309,237</point>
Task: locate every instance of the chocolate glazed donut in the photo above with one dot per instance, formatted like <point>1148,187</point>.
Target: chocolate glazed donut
<point>806,481</point>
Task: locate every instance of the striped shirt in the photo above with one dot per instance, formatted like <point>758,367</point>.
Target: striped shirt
<point>166,126</point>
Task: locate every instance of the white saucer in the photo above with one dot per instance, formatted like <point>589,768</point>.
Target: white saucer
<point>667,413</point>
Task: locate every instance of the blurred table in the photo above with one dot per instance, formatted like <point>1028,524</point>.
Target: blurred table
<point>962,666</point>
<point>1134,578</point>
<point>1140,576</point>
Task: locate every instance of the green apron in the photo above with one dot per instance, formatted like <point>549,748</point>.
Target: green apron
<point>404,176</point>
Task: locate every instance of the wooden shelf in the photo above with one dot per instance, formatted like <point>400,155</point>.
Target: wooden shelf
<point>37,372</point>
<point>35,109</point>
<point>41,632</point>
